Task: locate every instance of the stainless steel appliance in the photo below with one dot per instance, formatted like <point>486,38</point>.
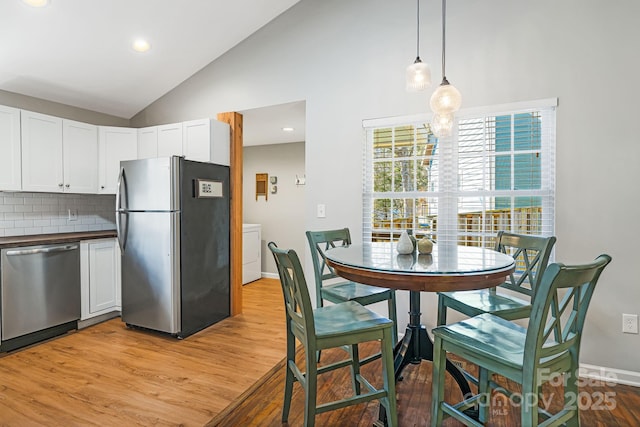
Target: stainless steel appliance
<point>172,219</point>
<point>40,291</point>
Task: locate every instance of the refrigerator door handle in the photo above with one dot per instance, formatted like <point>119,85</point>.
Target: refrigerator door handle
<point>120,211</point>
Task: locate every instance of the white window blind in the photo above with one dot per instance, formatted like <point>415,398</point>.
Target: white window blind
<point>496,172</point>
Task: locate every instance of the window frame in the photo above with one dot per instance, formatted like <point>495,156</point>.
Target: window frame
<point>447,194</point>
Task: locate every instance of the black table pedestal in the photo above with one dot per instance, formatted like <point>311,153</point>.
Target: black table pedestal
<point>416,345</point>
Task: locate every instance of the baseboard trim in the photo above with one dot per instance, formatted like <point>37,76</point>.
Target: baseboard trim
<point>270,275</point>
<point>610,375</point>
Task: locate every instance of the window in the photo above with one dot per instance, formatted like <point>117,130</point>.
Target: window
<point>497,172</point>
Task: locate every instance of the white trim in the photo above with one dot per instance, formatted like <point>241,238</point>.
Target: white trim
<point>509,108</point>
<point>266,275</point>
<point>610,375</point>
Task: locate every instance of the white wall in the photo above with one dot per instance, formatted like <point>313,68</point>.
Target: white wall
<point>282,214</point>
<point>347,60</point>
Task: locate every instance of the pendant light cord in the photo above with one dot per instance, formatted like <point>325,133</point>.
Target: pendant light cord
<point>444,20</point>
<point>418,30</point>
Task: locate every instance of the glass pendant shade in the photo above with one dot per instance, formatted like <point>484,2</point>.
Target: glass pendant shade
<point>418,76</point>
<point>442,124</point>
<point>446,99</point>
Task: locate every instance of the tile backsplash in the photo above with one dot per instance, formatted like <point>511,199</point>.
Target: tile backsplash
<point>47,213</point>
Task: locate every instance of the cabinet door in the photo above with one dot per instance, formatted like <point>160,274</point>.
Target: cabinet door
<point>148,143</point>
<point>196,140</point>
<point>41,152</point>
<point>170,140</point>
<point>114,144</point>
<point>80,157</point>
<point>10,162</point>
<point>100,277</point>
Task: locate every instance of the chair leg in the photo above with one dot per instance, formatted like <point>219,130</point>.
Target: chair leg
<point>393,315</point>
<point>571,394</point>
<point>529,404</point>
<point>389,380</point>
<point>438,376</point>
<point>442,311</point>
<point>355,368</point>
<point>289,378</point>
<point>310,389</point>
<point>485,394</point>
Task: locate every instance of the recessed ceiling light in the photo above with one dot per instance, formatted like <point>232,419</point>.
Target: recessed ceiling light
<point>141,45</point>
<point>287,129</point>
<point>36,3</point>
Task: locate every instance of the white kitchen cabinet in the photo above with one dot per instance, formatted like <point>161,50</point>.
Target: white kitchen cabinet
<point>148,142</point>
<point>114,144</point>
<point>58,155</point>
<point>10,161</point>
<point>206,140</point>
<point>170,140</point>
<point>41,152</point>
<point>99,277</point>
<point>80,157</point>
<point>251,252</point>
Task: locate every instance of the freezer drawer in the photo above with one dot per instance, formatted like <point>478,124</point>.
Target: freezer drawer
<point>40,288</point>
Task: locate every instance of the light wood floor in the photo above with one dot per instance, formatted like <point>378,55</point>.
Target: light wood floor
<point>109,375</point>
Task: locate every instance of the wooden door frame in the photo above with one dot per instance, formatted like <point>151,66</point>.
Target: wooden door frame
<point>234,119</point>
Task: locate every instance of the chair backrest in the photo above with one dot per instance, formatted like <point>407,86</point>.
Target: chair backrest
<point>531,254</point>
<point>320,241</point>
<point>299,312</point>
<point>559,310</point>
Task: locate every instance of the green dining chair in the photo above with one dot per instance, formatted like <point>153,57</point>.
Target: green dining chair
<point>548,349</point>
<point>339,325</point>
<point>327,288</point>
<point>531,254</point>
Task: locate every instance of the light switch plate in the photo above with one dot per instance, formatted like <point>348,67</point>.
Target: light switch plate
<point>321,211</point>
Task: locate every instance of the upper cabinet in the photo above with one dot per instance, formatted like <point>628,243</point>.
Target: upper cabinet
<point>10,163</point>
<point>80,157</point>
<point>148,142</point>
<point>58,155</point>
<point>206,140</point>
<point>41,152</point>
<point>44,153</point>
<point>114,144</point>
<point>170,140</point>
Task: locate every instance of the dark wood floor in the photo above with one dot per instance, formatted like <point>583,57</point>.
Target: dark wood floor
<point>263,407</point>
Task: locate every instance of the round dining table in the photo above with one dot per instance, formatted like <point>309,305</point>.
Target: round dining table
<point>449,267</point>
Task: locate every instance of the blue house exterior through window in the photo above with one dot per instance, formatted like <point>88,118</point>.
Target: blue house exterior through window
<point>518,146</point>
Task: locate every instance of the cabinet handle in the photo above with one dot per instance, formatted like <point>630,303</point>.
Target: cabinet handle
<point>67,185</point>
<point>102,187</point>
<point>60,185</point>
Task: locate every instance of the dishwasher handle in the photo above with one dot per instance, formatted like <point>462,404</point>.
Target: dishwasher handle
<point>42,250</point>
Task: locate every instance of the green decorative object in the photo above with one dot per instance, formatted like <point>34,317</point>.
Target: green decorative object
<point>425,245</point>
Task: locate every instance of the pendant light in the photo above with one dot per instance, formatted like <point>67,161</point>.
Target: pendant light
<point>446,99</point>
<point>418,74</point>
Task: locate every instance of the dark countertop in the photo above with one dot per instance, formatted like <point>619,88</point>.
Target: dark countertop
<point>48,239</point>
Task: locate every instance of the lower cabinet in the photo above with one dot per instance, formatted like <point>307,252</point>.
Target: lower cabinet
<point>99,277</point>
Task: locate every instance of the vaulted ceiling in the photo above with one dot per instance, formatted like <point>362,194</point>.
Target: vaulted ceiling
<point>79,52</point>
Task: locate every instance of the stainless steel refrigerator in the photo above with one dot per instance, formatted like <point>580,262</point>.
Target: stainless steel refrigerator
<point>172,219</point>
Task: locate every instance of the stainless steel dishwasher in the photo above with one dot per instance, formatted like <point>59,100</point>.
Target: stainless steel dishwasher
<point>40,292</point>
